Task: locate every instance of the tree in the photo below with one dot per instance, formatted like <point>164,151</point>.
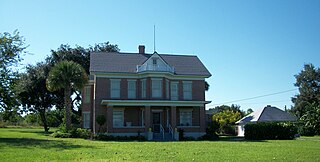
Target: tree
<point>11,48</point>
<point>67,75</point>
<point>226,118</point>
<point>81,56</point>
<point>307,102</point>
<point>32,92</point>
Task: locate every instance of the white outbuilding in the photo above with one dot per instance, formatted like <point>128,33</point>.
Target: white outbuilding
<point>266,114</point>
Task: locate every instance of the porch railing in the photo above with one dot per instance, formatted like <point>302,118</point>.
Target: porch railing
<point>162,131</point>
<point>170,131</point>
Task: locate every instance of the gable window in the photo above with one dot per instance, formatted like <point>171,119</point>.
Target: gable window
<point>118,118</point>
<point>187,90</point>
<point>115,88</point>
<point>154,61</point>
<point>143,88</point>
<point>186,117</point>
<point>87,97</point>
<point>86,119</point>
<point>174,90</point>
<point>131,89</point>
<point>156,88</point>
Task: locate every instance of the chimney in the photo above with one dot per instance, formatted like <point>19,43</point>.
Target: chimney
<point>141,49</point>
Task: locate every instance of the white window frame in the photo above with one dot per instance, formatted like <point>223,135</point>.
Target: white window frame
<point>185,117</point>
<point>167,89</point>
<point>174,92</point>
<point>118,122</point>
<point>87,94</point>
<point>143,88</point>
<point>131,89</point>
<point>156,87</point>
<point>86,119</point>
<point>187,90</point>
<point>115,88</point>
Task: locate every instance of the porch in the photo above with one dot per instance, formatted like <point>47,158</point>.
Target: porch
<point>155,122</point>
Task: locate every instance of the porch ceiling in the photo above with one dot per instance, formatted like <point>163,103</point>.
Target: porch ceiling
<point>152,103</point>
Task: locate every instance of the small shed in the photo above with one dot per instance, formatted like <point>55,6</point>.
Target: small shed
<point>266,114</point>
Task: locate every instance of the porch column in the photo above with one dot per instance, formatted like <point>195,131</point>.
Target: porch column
<point>147,118</point>
<point>202,118</point>
<point>109,119</point>
<point>173,117</point>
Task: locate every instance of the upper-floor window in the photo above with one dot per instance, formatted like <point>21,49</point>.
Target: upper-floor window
<point>156,87</point>
<point>187,90</point>
<point>87,96</point>
<point>174,90</point>
<point>131,89</point>
<point>115,88</point>
<point>143,88</point>
<point>154,61</point>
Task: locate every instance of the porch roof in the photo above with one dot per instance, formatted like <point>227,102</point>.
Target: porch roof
<point>152,103</point>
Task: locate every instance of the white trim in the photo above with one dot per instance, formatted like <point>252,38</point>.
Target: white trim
<point>149,74</point>
<point>153,103</point>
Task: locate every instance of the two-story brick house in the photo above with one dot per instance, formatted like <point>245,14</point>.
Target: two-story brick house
<point>146,94</point>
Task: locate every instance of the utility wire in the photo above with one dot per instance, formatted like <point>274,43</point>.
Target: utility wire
<point>250,98</point>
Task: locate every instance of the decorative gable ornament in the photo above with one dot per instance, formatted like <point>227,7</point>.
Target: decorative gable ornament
<point>155,63</point>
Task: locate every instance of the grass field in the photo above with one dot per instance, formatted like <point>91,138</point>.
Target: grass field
<point>21,144</point>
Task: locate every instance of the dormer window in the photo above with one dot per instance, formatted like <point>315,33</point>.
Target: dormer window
<point>154,61</point>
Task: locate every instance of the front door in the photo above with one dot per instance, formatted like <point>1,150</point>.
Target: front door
<point>156,120</point>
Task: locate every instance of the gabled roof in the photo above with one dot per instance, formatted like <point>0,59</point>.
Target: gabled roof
<point>267,114</point>
<point>114,62</point>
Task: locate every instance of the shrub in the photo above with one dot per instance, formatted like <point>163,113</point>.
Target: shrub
<point>59,134</point>
<point>101,119</point>
<point>72,133</point>
<point>272,130</point>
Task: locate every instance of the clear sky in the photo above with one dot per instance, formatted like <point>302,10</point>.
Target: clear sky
<point>251,48</point>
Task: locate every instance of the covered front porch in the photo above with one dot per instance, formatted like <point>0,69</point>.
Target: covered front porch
<point>156,120</point>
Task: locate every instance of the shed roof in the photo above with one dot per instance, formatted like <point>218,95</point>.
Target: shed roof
<point>267,114</point>
<point>116,62</point>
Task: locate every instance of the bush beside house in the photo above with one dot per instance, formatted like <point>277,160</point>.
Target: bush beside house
<point>270,131</point>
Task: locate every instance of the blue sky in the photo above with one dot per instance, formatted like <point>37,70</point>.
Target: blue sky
<point>252,48</point>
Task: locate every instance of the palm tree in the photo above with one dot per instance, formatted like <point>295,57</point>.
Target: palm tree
<point>67,75</point>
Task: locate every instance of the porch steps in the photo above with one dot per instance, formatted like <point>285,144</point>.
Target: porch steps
<point>158,137</point>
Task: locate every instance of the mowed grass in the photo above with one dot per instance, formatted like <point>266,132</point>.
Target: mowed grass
<point>21,144</point>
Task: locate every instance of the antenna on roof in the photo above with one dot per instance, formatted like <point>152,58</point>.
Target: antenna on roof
<point>154,38</point>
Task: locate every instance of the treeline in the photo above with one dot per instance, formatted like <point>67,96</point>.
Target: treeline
<point>32,92</point>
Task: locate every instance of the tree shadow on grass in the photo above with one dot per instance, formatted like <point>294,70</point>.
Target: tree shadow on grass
<point>36,131</point>
<point>39,143</point>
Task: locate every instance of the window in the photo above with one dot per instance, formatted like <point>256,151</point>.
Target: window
<point>143,88</point>
<point>154,61</point>
<point>187,90</point>
<point>131,89</point>
<point>174,90</point>
<point>167,89</point>
<point>115,88</point>
<point>186,117</point>
<point>156,88</point>
<point>87,96</point>
<point>86,119</point>
<point>118,118</point>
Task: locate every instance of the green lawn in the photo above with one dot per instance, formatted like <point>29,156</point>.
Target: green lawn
<point>21,144</point>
